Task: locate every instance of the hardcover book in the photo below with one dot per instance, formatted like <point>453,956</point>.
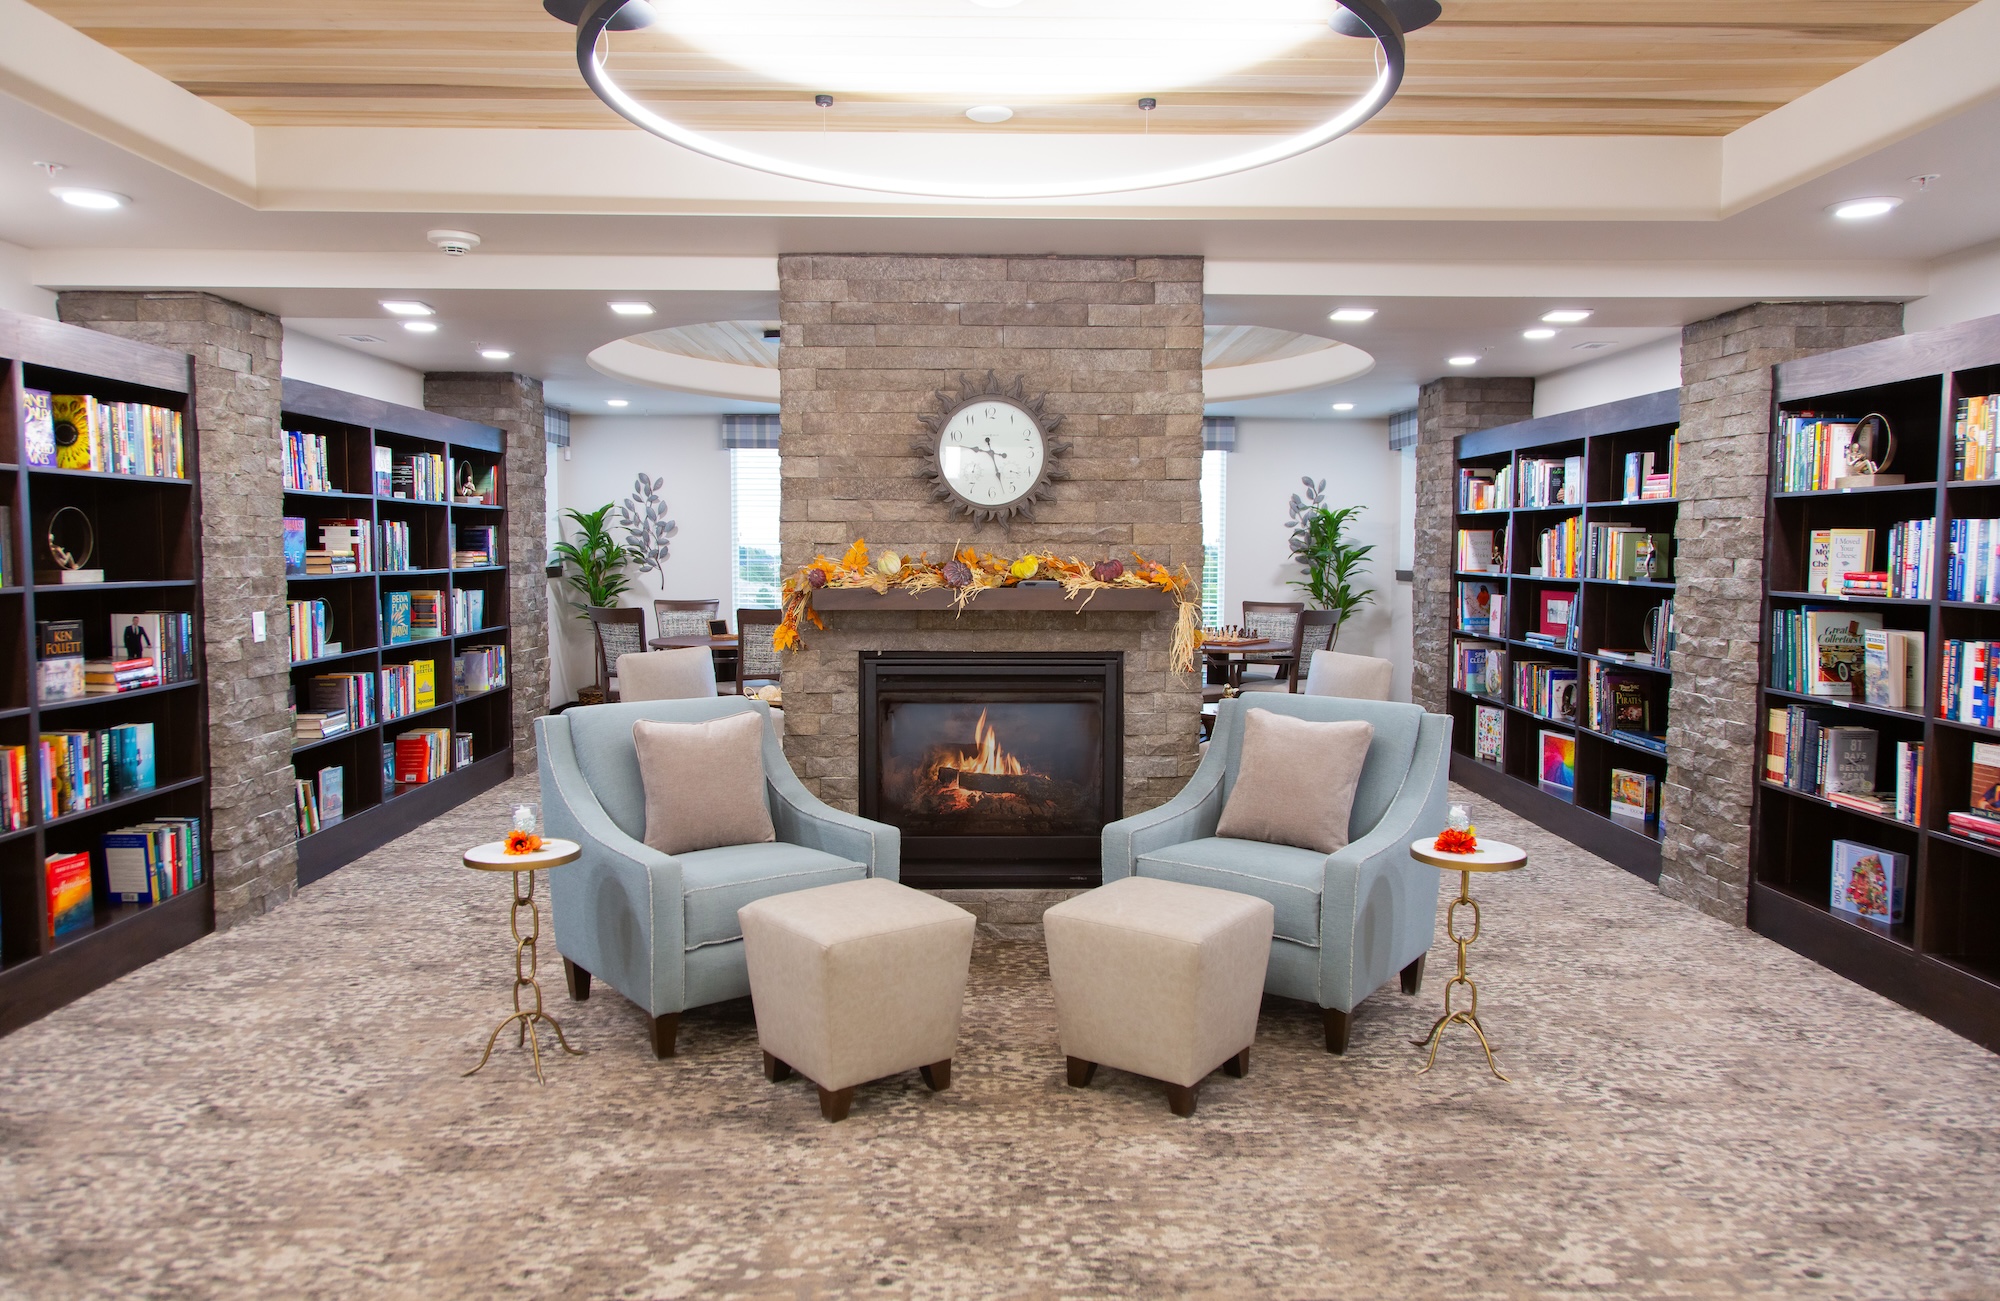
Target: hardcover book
<point>1557,610</point>
<point>1868,882</point>
<point>75,418</point>
<point>1850,760</point>
<point>332,795</point>
<point>38,428</point>
<point>1475,609</point>
<point>1986,777</point>
<point>1835,553</point>
<point>295,545</point>
<point>1487,734</point>
<point>1558,771</point>
<point>71,900</point>
<point>395,618</point>
<point>1634,800</point>
<point>59,659</point>
<point>128,866</point>
<point>1838,641</point>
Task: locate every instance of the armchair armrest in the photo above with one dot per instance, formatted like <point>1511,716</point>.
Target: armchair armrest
<point>1190,815</point>
<point>802,818</point>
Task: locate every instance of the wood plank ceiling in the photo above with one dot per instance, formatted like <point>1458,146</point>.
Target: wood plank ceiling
<point>1527,67</point>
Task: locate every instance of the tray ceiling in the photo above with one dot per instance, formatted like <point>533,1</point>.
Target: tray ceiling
<point>1518,67</point>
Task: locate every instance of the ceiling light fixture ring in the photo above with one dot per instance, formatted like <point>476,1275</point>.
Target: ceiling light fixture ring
<point>1377,16</point>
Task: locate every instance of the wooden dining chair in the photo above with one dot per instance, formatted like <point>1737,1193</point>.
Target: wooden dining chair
<point>756,657</point>
<point>1273,621</point>
<point>1312,631</point>
<point>684,618</point>
<point>617,631</point>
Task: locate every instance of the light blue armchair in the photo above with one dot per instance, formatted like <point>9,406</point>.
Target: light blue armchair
<point>1347,921</point>
<point>660,928</point>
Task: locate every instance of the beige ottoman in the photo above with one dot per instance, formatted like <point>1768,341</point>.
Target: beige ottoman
<point>1160,979</point>
<point>855,981</point>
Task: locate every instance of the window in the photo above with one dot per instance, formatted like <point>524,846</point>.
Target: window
<point>755,577</point>
<point>1214,475</point>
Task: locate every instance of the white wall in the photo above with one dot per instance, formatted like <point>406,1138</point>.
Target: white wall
<point>17,292</point>
<point>1353,457</point>
<point>605,454</point>
<point>316,361</point>
<point>1964,287</point>
<point>1647,368</point>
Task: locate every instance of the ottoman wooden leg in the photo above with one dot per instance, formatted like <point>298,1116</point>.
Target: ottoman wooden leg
<point>1181,1098</point>
<point>937,1075</point>
<point>1413,975</point>
<point>665,1030</point>
<point>579,981</point>
<point>775,1070</point>
<point>1080,1072</point>
<point>833,1103</point>
<point>1338,1023</point>
<point>1239,1065</point>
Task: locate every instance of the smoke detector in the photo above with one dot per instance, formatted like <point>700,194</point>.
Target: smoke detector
<point>453,243</point>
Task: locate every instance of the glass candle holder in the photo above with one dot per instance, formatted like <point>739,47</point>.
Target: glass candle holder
<point>524,818</point>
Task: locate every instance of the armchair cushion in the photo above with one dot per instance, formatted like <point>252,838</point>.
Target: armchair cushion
<point>1295,780</point>
<point>704,783</point>
<point>1290,879</point>
<point>717,882</point>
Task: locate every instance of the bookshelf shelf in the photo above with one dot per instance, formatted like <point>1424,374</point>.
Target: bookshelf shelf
<point>357,431</point>
<point>1605,613</point>
<point>156,550</point>
<point>1943,959</point>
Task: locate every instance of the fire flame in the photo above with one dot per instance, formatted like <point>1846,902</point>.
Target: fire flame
<point>987,756</point>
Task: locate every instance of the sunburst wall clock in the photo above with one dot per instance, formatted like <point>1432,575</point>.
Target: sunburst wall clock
<point>990,456</point>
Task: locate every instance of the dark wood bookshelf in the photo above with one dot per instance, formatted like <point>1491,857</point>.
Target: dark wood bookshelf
<point>1943,959</point>
<point>1607,613</point>
<point>153,561</point>
<point>376,810</point>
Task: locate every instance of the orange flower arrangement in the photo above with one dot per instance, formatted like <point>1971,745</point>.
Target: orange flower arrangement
<point>1453,841</point>
<point>522,842</point>
<point>967,572</point>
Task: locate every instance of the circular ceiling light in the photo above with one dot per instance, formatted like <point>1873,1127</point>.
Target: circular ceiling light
<point>1183,43</point>
<point>1463,359</point>
<point>95,200</point>
<point>1864,209</point>
<point>1409,15</point>
<point>1541,332</point>
<point>990,113</point>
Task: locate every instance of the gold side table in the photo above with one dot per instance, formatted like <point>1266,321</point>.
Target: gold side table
<point>1491,856</point>
<point>495,858</point>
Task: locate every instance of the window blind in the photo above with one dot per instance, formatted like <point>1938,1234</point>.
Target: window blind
<point>1218,434</point>
<point>750,432</point>
<point>1214,496</point>
<point>555,426</point>
<point>754,491</point>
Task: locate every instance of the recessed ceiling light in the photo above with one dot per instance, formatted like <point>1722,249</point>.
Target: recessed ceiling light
<point>95,200</point>
<point>1538,333</point>
<point>990,113</point>
<point>405,307</point>
<point>1566,315</point>
<point>1351,314</point>
<point>1343,406</point>
<point>1592,346</point>
<point>1463,359</point>
<point>363,338</point>
<point>495,354</point>
<point>1863,209</point>
<point>616,402</point>
<point>421,327</point>
<point>632,309</point>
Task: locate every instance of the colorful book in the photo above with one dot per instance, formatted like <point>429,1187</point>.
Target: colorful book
<point>38,427</point>
<point>72,903</point>
<point>58,660</point>
<point>1488,733</point>
<point>295,545</point>
<point>1475,609</point>
<point>1558,770</point>
<point>1635,800</point>
<point>1557,611</point>
<point>1838,640</point>
<point>395,618</point>
<point>332,795</point>
<point>1868,882</point>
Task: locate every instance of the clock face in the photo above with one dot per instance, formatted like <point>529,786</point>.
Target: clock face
<point>991,452</point>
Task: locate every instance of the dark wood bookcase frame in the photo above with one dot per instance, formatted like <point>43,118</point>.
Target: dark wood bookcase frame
<point>1608,613</point>
<point>152,560</point>
<point>1943,960</point>
<point>354,427</point>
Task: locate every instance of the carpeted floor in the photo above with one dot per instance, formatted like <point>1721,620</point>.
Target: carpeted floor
<point>278,1112</point>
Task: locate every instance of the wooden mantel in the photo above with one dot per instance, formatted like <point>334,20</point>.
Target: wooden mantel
<point>1011,599</point>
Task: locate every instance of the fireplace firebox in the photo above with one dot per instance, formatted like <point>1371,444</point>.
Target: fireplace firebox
<point>1000,769</point>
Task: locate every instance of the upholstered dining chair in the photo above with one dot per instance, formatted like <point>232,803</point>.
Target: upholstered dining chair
<point>756,657</point>
<point>1312,631</point>
<point>617,632</point>
<point>661,929</point>
<point>1358,677</point>
<point>684,618</point>
<point>1273,621</point>
<point>1347,922</point>
<point>687,673</point>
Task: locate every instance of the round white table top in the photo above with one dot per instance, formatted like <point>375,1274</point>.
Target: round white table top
<point>1491,856</point>
<point>495,858</point>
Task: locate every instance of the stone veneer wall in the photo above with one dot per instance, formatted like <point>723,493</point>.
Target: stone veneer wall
<point>1115,342</point>
<point>1713,731</point>
<point>238,395</point>
<point>1446,408</point>
<point>514,404</point>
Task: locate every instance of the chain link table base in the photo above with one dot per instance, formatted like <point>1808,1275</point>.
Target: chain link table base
<point>524,979</point>
<point>1467,1016</point>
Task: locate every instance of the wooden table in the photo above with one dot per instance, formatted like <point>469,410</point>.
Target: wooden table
<point>726,641</point>
<point>1491,856</point>
<point>494,858</point>
<point>1234,656</point>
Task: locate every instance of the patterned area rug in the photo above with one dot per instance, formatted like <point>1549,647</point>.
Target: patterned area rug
<point>1695,1112</point>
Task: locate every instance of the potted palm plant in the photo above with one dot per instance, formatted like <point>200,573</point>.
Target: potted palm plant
<point>593,564</point>
<point>1333,565</point>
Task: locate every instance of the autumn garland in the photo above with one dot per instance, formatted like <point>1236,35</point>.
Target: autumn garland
<point>968,573</point>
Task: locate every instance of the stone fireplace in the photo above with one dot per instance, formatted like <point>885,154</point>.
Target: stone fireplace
<point>1000,769</point>
<point>1115,344</point>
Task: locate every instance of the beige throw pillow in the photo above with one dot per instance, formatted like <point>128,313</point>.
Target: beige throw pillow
<point>1295,781</point>
<point>704,783</point>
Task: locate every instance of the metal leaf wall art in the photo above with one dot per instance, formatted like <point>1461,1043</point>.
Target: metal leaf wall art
<point>648,531</point>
